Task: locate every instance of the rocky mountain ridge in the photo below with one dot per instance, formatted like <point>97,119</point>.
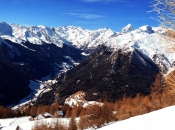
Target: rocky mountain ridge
<point>123,61</point>
<point>151,41</point>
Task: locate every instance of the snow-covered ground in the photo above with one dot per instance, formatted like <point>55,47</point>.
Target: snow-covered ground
<point>77,99</point>
<point>25,124</point>
<point>158,120</point>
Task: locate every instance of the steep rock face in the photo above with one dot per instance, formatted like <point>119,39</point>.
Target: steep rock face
<point>23,62</point>
<point>109,75</point>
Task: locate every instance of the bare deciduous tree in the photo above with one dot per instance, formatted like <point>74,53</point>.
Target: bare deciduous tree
<point>166,12</point>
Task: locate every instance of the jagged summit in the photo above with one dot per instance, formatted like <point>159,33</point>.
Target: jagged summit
<point>128,28</point>
<point>5,29</point>
<point>149,40</point>
<point>146,28</point>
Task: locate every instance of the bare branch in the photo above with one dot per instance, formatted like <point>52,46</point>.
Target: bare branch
<point>165,10</point>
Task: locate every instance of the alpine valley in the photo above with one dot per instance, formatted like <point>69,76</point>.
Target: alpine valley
<point>103,64</point>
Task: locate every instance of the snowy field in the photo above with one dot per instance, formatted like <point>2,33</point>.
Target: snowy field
<point>25,124</point>
<point>163,119</point>
<point>158,120</point>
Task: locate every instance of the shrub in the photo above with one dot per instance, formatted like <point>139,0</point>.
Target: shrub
<point>72,124</point>
<point>44,126</point>
<point>8,113</point>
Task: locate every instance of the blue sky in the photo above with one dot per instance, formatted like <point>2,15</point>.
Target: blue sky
<point>89,14</point>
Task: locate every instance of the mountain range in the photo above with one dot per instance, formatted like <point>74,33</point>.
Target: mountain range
<point>106,64</point>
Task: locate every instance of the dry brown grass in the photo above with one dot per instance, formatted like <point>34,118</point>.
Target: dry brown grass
<point>95,116</point>
<point>170,82</point>
<point>36,110</point>
<point>170,34</point>
<point>8,113</point>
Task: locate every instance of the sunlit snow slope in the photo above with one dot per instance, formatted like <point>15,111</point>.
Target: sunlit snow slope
<point>151,41</point>
<point>158,120</point>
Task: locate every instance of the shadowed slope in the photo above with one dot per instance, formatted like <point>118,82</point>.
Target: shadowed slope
<point>109,75</point>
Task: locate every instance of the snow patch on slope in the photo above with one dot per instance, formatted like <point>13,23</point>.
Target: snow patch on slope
<point>77,99</point>
<point>37,87</point>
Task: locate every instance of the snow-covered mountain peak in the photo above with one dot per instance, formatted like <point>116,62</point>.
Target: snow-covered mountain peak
<point>36,34</point>
<point>128,28</point>
<point>150,41</point>
<point>42,26</point>
<point>146,28</point>
<point>5,29</point>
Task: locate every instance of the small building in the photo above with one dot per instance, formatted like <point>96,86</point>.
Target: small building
<point>60,113</point>
<point>47,115</point>
<point>39,117</point>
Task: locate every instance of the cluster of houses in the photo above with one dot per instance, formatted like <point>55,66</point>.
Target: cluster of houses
<point>47,115</point>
